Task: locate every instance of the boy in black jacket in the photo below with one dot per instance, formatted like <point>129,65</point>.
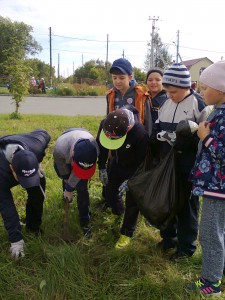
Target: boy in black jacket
<point>128,143</point>
<point>20,156</point>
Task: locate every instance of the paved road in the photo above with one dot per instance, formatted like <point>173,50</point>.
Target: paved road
<point>68,106</point>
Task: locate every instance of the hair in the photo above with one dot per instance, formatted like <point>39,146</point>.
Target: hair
<point>153,71</point>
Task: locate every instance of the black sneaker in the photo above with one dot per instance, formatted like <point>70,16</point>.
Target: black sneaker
<point>178,255</point>
<point>165,246</point>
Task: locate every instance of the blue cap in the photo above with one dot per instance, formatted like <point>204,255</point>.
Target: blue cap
<point>123,65</point>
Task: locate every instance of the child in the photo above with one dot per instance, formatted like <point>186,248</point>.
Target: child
<point>183,104</point>
<point>127,92</point>
<point>209,181</point>
<point>128,142</point>
<point>157,93</point>
<point>75,155</point>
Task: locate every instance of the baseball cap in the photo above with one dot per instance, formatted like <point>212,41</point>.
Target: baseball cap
<point>115,128</point>
<point>25,165</point>
<point>123,65</point>
<point>84,159</point>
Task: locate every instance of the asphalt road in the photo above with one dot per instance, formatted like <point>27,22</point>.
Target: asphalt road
<point>68,106</point>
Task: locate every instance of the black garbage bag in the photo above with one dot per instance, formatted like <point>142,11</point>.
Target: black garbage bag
<point>155,192</point>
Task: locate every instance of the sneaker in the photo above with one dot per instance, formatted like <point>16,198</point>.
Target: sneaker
<point>123,241</point>
<point>206,287</point>
<point>178,255</point>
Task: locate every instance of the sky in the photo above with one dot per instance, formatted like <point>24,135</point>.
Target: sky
<point>80,29</point>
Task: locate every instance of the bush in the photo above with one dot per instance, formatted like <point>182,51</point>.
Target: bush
<point>64,91</point>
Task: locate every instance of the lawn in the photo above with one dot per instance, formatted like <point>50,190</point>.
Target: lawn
<point>85,270</point>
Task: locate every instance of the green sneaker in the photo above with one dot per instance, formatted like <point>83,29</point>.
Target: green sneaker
<point>123,241</point>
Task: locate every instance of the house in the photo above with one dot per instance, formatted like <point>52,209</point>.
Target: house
<point>196,66</point>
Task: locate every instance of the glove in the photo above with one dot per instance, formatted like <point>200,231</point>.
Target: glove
<point>103,175</point>
<point>169,137</point>
<point>17,250</point>
<point>123,188</point>
<point>68,196</point>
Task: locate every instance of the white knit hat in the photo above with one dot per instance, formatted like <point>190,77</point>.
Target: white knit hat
<point>177,75</point>
<point>214,76</point>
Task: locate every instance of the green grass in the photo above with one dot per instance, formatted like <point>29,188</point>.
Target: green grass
<point>94,270</point>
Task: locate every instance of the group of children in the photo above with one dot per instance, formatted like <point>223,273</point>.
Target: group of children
<point>135,118</point>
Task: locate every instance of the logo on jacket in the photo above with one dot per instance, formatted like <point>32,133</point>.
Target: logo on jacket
<point>130,100</point>
<point>186,112</point>
<point>128,146</point>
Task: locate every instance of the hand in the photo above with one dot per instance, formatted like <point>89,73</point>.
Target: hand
<point>203,130</point>
<point>103,175</point>
<point>68,196</point>
<point>123,188</point>
<point>17,250</point>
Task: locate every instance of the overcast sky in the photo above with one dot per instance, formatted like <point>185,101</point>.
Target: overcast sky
<point>80,28</point>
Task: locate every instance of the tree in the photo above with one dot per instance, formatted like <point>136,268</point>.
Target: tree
<point>162,58</point>
<point>139,75</point>
<point>20,33</point>
<point>93,69</point>
<point>19,75</point>
<point>40,69</point>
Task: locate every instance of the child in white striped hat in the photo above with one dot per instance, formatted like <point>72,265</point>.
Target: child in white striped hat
<point>183,103</point>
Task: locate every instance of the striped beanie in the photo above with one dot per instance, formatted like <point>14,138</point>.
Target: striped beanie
<point>214,76</point>
<point>177,75</point>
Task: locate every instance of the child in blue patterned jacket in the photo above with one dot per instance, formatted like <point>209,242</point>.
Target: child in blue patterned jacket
<point>208,177</point>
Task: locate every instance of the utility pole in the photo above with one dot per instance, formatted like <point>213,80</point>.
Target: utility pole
<point>153,19</point>
<point>58,67</point>
<point>178,41</point>
<point>50,42</point>
<point>106,62</point>
<point>123,54</point>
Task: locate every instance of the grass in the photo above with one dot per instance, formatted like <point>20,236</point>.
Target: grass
<point>89,270</point>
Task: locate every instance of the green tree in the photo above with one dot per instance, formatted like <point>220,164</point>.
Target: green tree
<point>162,58</point>
<point>19,32</point>
<point>19,76</point>
<point>139,75</point>
<point>93,69</point>
<point>40,69</point>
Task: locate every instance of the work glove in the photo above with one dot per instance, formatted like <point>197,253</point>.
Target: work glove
<point>68,196</point>
<point>166,136</point>
<point>123,188</point>
<point>17,250</point>
<point>103,175</point>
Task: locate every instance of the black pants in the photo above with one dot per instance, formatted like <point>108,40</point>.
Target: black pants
<point>117,175</point>
<point>183,229</point>
<point>34,206</point>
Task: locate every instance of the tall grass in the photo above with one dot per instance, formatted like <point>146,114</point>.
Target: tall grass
<point>89,270</point>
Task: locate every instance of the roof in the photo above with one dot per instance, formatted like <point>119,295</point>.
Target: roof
<point>191,62</point>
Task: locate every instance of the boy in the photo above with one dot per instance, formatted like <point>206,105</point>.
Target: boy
<point>20,158</point>
<point>128,143</point>
<point>209,181</point>
<point>75,155</point>
<point>183,104</point>
<point>127,92</point>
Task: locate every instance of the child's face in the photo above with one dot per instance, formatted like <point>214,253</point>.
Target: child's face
<point>154,82</point>
<point>210,95</point>
<point>121,82</point>
<point>176,94</point>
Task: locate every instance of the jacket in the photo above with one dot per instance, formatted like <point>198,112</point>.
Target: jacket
<point>208,174</point>
<point>63,152</point>
<point>137,96</point>
<point>35,141</point>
